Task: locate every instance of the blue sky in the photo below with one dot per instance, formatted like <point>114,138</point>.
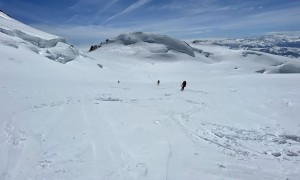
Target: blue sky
<point>86,22</point>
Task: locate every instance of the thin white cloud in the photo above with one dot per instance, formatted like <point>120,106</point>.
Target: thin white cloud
<point>279,17</point>
<point>189,23</point>
<point>109,5</point>
<point>130,8</point>
<point>83,3</point>
<point>83,35</point>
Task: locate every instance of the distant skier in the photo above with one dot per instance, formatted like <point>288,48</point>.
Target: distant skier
<point>118,82</point>
<point>158,82</point>
<point>183,85</point>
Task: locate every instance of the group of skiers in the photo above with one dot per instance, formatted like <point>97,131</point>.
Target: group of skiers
<point>183,85</point>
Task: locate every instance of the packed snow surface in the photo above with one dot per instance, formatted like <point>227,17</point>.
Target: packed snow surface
<point>74,121</point>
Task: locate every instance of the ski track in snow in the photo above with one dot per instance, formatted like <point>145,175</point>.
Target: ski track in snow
<point>234,142</point>
<point>239,141</point>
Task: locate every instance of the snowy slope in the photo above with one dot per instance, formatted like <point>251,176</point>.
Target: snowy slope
<point>15,34</point>
<point>74,121</point>
<point>251,61</point>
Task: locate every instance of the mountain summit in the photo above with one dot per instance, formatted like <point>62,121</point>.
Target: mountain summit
<point>143,39</point>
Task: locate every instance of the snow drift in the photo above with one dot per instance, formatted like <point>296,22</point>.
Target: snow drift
<point>14,33</point>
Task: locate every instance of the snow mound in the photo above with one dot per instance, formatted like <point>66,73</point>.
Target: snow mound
<point>271,64</point>
<point>143,39</point>
<point>283,69</point>
<point>14,33</point>
<point>61,52</point>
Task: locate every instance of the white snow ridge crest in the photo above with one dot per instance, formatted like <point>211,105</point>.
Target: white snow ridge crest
<point>164,43</point>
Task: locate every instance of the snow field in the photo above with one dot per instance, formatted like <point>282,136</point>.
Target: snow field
<point>74,121</point>
<point>237,118</point>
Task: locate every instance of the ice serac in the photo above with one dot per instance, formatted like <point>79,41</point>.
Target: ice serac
<point>138,37</point>
<point>14,33</point>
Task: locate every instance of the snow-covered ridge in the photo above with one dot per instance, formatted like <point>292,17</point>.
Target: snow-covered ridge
<point>11,24</point>
<point>35,40</point>
<point>147,38</point>
<point>283,44</point>
<point>3,15</point>
<point>161,48</point>
<point>14,33</point>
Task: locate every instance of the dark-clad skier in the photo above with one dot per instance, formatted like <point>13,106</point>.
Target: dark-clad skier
<point>183,85</point>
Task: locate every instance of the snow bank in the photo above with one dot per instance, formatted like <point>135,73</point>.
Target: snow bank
<point>271,64</point>
<point>61,52</point>
<point>284,68</point>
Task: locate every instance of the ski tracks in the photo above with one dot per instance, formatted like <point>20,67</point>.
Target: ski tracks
<point>111,159</point>
<point>103,142</point>
<point>237,142</point>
